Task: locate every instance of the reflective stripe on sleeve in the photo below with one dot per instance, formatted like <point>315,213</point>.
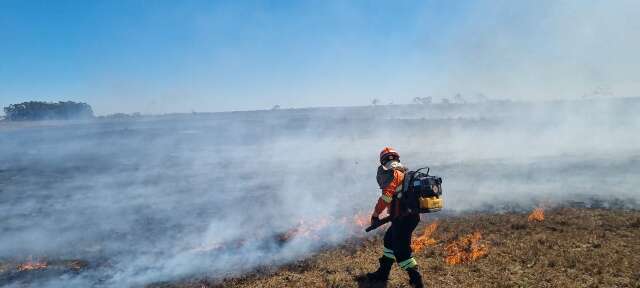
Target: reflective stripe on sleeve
<point>386,198</point>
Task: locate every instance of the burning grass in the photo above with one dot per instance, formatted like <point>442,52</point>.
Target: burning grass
<point>34,269</point>
<point>422,240</point>
<point>354,225</point>
<point>466,249</point>
<point>44,264</point>
<point>571,248</point>
<point>303,230</point>
<point>537,215</point>
<point>32,266</point>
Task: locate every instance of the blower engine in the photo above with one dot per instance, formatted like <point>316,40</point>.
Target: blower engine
<point>422,192</point>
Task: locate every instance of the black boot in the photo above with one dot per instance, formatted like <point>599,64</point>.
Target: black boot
<point>415,279</point>
<point>382,274</point>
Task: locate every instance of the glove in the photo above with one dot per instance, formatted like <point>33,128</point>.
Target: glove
<point>374,219</point>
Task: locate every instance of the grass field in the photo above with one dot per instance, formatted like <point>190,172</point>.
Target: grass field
<point>570,248</point>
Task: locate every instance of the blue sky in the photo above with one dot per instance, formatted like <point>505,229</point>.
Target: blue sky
<point>182,56</point>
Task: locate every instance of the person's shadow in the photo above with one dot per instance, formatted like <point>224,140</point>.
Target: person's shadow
<point>363,282</point>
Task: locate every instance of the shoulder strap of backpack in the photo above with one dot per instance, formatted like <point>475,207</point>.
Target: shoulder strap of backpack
<point>408,177</point>
<point>428,169</point>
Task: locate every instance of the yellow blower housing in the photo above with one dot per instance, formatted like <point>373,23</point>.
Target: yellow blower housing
<point>431,204</point>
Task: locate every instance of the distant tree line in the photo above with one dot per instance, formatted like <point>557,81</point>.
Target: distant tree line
<point>458,98</point>
<point>122,116</point>
<point>36,110</point>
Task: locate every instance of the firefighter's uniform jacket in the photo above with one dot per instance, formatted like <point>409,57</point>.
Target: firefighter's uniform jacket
<point>397,239</point>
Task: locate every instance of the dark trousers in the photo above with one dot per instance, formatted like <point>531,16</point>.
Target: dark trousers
<point>398,236</point>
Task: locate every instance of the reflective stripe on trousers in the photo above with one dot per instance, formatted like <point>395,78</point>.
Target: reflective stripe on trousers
<point>386,252</point>
<point>407,264</point>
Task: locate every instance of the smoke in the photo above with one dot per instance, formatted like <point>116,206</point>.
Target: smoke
<point>139,199</point>
<point>538,50</point>
<point>160,199</point>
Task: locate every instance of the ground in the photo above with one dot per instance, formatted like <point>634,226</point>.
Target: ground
<point>570,248</point>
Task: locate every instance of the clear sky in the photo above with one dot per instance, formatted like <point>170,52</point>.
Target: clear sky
<point>182,56</point>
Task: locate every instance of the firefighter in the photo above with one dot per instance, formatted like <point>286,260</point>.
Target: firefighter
<point>397,238</point>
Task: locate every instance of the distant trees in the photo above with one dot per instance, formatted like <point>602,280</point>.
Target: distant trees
<point>422,100</point>
<point>459,99</point>
<point>481,97</point>
<point>599,91</point>
<point>124,116</point>
<point>36,110</point>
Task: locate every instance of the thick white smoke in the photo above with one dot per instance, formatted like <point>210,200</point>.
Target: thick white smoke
<point>146,200</point>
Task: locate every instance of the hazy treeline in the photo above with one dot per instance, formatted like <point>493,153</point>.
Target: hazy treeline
<point>37,110</point>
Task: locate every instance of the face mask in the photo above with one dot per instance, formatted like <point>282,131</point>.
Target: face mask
<point>393,164</point>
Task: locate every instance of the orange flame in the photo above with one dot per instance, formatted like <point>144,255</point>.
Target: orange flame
<point>310,230</point>
<point>537,215</point>
<point>420,242</point>
<point>305,230</point>
<point>32,265</point>
<point>465,249</point>
<point>361,220</point>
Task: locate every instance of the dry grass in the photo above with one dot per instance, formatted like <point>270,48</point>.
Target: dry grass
<point>570,248</point>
